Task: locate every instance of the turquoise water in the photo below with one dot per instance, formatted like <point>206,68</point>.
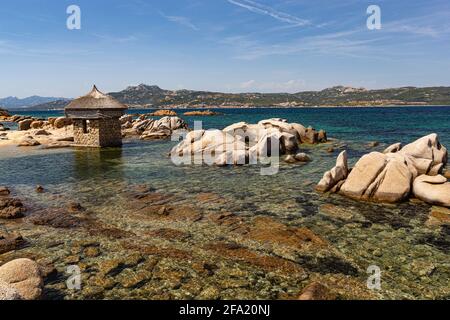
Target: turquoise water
<point>381,124</point>
<point>99,178</point>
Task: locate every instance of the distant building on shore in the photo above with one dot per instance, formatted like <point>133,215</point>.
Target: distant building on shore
<point>96,120</point>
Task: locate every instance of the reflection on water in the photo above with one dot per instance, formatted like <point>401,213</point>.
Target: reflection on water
<point>93,162</point>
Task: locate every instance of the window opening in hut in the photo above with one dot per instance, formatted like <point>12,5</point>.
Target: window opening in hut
<point>85,126</point>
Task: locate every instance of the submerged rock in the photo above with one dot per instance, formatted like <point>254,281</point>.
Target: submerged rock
<point>56,218</point>
<point>317,291</point>
<point>11,208</point>
<point>23,275</point>
<point>9,242</point>
<point>302,157</point>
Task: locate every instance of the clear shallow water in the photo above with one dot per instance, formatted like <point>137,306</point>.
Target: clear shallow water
<point>413,255</point>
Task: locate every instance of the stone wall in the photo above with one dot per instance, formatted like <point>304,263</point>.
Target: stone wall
<point>110,133</point>
<point>100,133</point>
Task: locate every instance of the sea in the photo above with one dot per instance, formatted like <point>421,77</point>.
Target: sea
<point>412,253</point>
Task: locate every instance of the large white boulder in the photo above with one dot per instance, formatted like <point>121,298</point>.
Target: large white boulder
<point>432,189</point>
<point>252,141</point>
<point>389,176</point>
<point>363,174</point>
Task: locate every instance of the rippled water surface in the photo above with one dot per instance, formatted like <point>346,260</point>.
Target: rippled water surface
<point>413,255</point>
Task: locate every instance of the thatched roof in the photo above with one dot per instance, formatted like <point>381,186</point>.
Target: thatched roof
<point>95,100</point>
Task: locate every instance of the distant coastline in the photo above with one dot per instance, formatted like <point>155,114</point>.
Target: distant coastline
<point>153,97</point>
<point>25,110</point>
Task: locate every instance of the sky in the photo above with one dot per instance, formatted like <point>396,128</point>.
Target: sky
<point>221,45</point>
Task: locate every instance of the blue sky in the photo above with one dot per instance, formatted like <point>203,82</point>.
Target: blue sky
<point>221,45</point>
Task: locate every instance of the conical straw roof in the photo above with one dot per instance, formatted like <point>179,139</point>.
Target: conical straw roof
<point>95,100</point>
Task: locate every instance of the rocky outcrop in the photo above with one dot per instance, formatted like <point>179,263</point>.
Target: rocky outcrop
<point>393,148</point>
<point>162,128</point>
<point>151,129</point>
<point>4,113</point>
<point>242,143</point>
<point>433,190</point>
<point>389,176</point>
<point>334,176</point>
<point>201,113</point>
<point>379,177</point>
<point>163,113</point>
<point>62,122</point>
<point>25,124</point>
<point>38,124</point>
<point>21,277</point>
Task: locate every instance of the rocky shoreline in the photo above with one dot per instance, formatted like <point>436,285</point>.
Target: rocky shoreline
<point>145,242</point>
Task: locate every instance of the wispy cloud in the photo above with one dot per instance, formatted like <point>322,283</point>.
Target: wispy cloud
<point>182,21</point>
<point>268,11</point>
<point>346,43</point>
<point>116,39</point>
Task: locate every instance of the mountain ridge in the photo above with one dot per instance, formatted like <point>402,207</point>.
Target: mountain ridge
<point>152,96</point>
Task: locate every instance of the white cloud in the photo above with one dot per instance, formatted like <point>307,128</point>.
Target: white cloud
<point>268,11</point>
<point>182,21</point>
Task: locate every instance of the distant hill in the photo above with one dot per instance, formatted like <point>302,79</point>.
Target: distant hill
<point>153,96</point>
<point>17,103</point>
<point>53,105</point>
<point>145,96</point>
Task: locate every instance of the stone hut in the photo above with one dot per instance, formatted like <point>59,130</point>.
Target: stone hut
<point>96,120</point>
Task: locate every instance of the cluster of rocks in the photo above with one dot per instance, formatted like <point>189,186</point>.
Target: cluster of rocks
<point>34,132</point>
<point>394,175</point>
<point>151,129</point>
<point>55,123</point>
<point>25,123</point>
<point>242,143</point>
